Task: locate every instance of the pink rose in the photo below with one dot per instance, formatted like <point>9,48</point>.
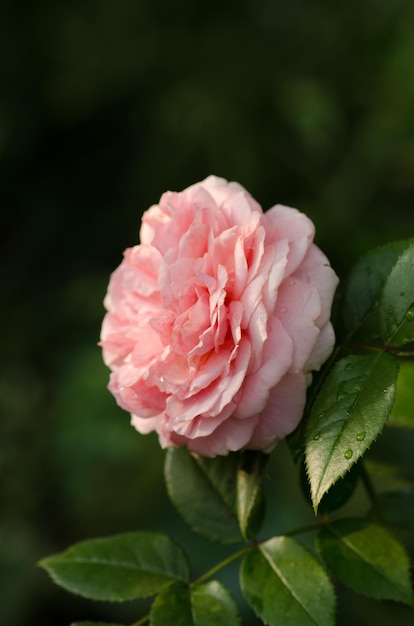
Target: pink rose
<point>216,320</point>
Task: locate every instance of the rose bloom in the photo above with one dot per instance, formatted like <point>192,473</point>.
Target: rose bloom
<point>216,320</point>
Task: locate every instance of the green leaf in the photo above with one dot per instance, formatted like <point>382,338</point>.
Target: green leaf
<point>119,568</point>
<point>285,584</point>
<point>367,558</point>
<point>396,305</point>
<point>395,493</point>
<point>250,498</point>
<point>364,285</point>
<point>402,413</point>
<point>204,491</point>
<point>338,495</point>
<point>347,416</point>
<point>209,604</point>
<point>387,477</point>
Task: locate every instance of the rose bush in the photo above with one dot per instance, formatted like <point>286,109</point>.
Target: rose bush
<point>217,319</point>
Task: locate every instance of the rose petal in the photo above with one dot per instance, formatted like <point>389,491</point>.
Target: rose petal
<point>282,413</point>
<point>217,319</point>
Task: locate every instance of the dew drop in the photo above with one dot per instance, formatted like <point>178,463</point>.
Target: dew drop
<point>316,436</point>
<point>340,397</point>
<point>361,436</point>
<point>410,314</point>
<point>348,454</point>
<point>348,367</point>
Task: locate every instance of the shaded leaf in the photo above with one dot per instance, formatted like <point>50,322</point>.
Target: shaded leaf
<point>387,477</point>
<point>204,491</point>
<point>364,286</point>
<point>119,568</point>
<point>297,440</point>
<point>338,495</point>
<point>398,507</point>
<point>395,494</point>
<point>367,558</point>
<point>396,305</point>
<point>209,604</point>
<point>402,413</point>
<point>347,416</point>
<point>285,584</point>
<point>250,498</point>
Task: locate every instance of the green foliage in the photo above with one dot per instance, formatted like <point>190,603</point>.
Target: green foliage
<point>250,498</point>
<point>285,584</point>
<point>119,568</point>
<point>338,495</point>
<point>364,286</point>
<point>209,604</point>
<point>396,305</point>
<point>347,416</point>
<point>204,492</point>
<point>368,558</point>
<point>222,498</point>
<point>402,413</point>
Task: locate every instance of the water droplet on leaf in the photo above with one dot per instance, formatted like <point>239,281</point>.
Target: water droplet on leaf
<point>316,436</point>
<point>348,367</point>
<point>410,314</point>
<point>360,436</point>
<point>341,396</point>
<point>348,454</point>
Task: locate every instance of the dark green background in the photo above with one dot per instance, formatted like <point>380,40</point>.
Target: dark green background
<point>104,104</point>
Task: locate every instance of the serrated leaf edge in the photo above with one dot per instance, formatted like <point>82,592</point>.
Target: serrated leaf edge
<point>363,558</point>
<point>316,501</point>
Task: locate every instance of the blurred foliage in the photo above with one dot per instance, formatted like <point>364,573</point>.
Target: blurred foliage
<point>103,106</point>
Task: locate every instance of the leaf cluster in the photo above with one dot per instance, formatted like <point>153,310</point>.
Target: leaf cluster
<point>366,384</point>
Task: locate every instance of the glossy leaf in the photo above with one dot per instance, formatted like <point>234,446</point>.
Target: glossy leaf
<point>119,568</point>
<point>396,305</point>
<point>250,499</point>
<point>347,416</point>
<point>209,604</point>
<point>402,413</point>
<point>285,584</point>
<point>364,286</point>
<point>367,558</point>
<point>338,495</point>
<point>205,492</point>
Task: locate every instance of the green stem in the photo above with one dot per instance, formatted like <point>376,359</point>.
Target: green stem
<point>239,554</point>
<point>224,563</point>
<point>143,620</point>
<point>308,528</point>
<point>363,346</point>
<point>372,494</point>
